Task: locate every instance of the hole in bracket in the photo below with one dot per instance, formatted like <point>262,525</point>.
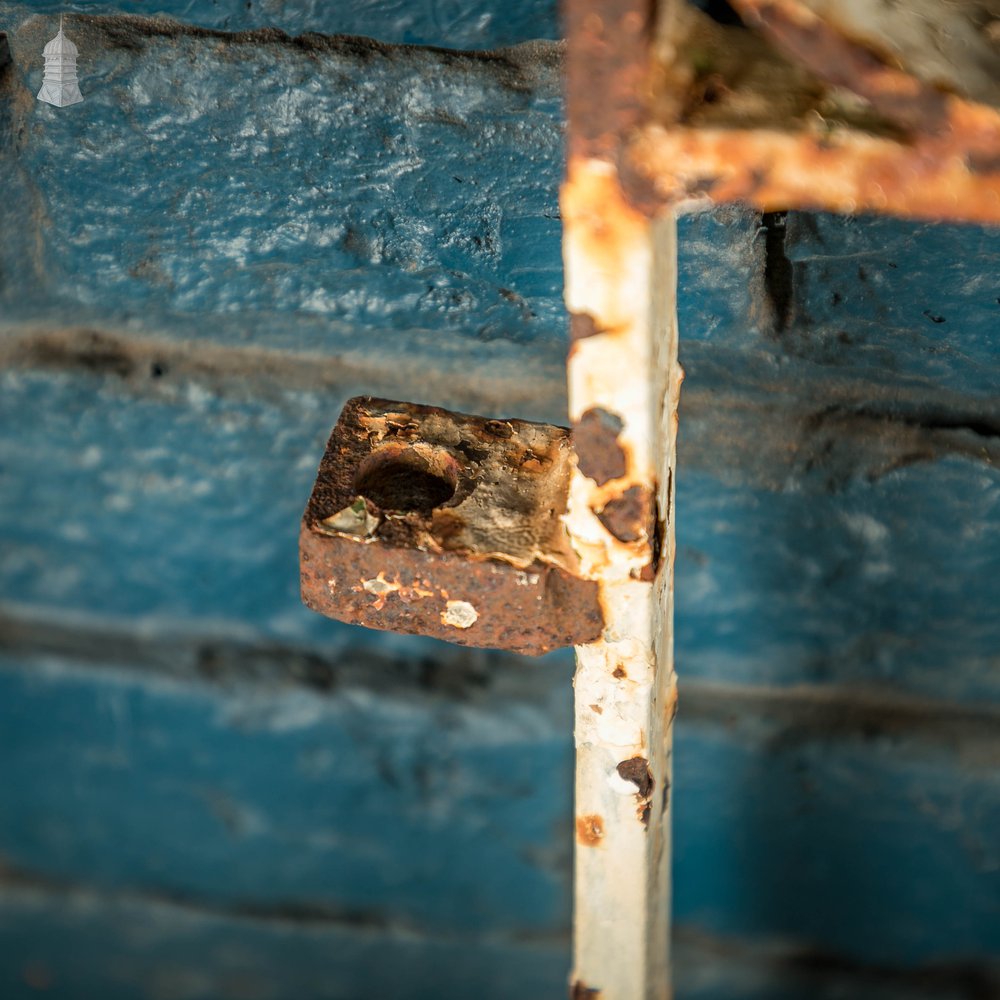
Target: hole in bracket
<point>403,479</point>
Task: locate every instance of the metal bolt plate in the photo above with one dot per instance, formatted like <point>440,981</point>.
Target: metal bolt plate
<point>447,525</point>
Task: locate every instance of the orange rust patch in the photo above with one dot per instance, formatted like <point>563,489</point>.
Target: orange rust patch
<point>606,71</point>
<point>842,171</point>
<point>477,567</point>
<point>629,517</point>
<point>636,770</point>
<point>670,707</point>
<point>589,830</point>
<point>581,326</point>
<point>599,453</point>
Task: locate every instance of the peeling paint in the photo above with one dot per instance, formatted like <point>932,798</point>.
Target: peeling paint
<point>460,614</point>
<point>381,588</point>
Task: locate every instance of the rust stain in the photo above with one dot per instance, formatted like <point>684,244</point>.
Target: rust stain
<point>599,454</point>
<point>581,326</point>
<point>843,171</point>
<point>636,770</point>
<point>671,706</point>
<point>629,517</point>
<point>589,830</point>
<point>580,991</point>
<point>619,672</point>
<point>845,62</point>
<point>600,223</point>
<point>499,428</point>
<point>761,117</point>
<point>381,588</point>
<point>607,77</point>
<point>908,148</point>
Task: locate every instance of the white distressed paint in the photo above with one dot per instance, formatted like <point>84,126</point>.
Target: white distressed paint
<point>621,270</point>
<point>459,614</point>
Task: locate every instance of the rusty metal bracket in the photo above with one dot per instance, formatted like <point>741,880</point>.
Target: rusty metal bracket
<point>447,525</point>
<point>814,104</point>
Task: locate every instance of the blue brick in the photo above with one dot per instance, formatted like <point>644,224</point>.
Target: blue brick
<point>469,24</point>
<point>887,584</point>
<point>259,188</point>
<point>368,807</point>
<point>862,830</point>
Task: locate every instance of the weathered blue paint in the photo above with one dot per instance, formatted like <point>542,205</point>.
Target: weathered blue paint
<point>918,303</point>
<point>899,306</point>
<point>416,811</point>
<point>865,840</point>
<point>458,24</point>
<point>888,584</point>
<point>450,817</point>
<point>152,950</point>
<point>270,185</point>
<point>133,507</point>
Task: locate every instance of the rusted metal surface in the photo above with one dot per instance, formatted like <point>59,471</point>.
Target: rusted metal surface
<point>949,47</point>
<point>606,71</point>
<point>800,113</point>
<point>843,62</point>
<point>839,172</point>
<point>599,456</point>
<point>448,525</point>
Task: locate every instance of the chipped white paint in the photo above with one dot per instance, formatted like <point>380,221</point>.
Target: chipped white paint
<point>459,614</point>
<point>59,85</point>
<point>380,586</point>
<point>619,785</point>
<point>621,271</point>
<point>353,520</point>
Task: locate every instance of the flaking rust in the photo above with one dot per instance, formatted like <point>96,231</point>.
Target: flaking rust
<point>443,524</point>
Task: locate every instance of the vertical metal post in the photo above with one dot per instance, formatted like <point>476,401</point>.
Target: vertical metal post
<point>622,526</point>
<point>624,382</point>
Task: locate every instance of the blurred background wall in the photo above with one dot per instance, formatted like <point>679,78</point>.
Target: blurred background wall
<point>207,792</point>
